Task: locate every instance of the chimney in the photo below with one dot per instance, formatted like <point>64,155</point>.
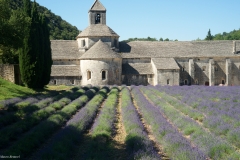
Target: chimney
<point>234,47</point>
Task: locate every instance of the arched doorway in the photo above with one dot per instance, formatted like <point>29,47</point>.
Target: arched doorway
<point>185,82</point>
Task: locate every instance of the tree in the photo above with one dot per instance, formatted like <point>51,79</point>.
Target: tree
<point>12,31</point>
<point>166,39</point>
<point>209,36</point>
<point>161,39</point>
<point>35,56</point>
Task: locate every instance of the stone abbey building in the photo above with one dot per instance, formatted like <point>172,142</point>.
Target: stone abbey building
<point>98,58</point>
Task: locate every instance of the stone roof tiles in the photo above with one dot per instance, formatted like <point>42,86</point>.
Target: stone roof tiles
<point>146,49</point>
<point>98,30</point>
<point>100,50</point>
<point>98,6</point>
<point>165,63</point>
<point>65,49</point>
<point>65,70</point>
<point>137,68</point>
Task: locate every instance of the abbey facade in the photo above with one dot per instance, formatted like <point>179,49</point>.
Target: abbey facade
<point>98,58</point>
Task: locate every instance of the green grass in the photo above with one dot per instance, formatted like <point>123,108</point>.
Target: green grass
<point>11,90</point>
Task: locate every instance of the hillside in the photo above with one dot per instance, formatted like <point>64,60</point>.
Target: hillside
<point>10,90</point>
<point>59,28</point>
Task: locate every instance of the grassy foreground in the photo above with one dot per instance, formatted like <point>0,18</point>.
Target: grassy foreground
<point>10,90</point>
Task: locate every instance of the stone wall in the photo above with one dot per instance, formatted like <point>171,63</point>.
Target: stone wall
<point>168,77</point>
<point>136,80</point>
<point>95,68</point>
<point>10,73</point>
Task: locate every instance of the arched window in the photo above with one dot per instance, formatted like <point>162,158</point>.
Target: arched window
<point>196,82</point>
<point>54,82</point>
<point>104,75</point>
<point>183,69</point>
<point>97,18</point>
<point>223,81</point>
<point>168,82</point>
<point>89,75</point>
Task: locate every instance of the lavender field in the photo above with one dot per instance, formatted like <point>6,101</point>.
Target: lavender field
<point>120,122</point>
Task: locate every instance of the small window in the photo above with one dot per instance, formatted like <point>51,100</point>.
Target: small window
<point>54,82</point>
<point>115,43</point>
<point>168,82</point>
<point>89,75</point>
<point>103,75</point>
<point>183,69</point>
<point>223,81</point>
<point>216,68</point>
<point>204,68</point>
<point>196,82</point>
<point>83,43</point>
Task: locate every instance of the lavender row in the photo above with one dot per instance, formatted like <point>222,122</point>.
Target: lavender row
<point>104,124</point>
<point>187,110</point>
<point>22,109</point>
<point>30,141</point>
<point>12,132</point>
<point>173,142</point>
<point>138,144</point>
<point>200,137</point>
<point>66,140</point>
<point>222,115</point>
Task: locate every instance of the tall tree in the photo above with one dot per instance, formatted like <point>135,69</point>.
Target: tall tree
<point>46,52</point>
<point>209,36</point>
<point>34,57</point>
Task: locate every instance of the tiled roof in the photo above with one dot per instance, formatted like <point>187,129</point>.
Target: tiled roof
<point>100,50</point>
<point>138,49</point>
<point>96,30</point>
<point>165,63</point>
<point>97,6</point>
<point>65,49</point>
<point>65,70</point>
<point>137,68</point>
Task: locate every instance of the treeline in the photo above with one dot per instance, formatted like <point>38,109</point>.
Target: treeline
<point>233,35</point>
<point>147,39</point>
<point>59,28</point>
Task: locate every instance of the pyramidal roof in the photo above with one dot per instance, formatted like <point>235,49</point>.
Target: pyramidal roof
<point>100,50</point>
<point>97,6</point>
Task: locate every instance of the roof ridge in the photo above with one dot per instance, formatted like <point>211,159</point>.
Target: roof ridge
<point>97,5</point>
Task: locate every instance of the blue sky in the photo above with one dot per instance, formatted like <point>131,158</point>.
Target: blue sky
<point>184,20</point>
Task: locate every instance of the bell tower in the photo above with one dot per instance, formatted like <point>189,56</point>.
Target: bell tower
<point>97,13</point>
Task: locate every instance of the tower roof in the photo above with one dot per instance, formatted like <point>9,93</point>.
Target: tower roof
<point>100,50</point>
<point>97,6</point>
<point>98,30</point>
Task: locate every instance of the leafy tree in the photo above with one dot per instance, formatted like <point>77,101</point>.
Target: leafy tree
<point>166,39</point>
<point>161,39</point>
<point>13,24</point>
<point>209,36</point>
